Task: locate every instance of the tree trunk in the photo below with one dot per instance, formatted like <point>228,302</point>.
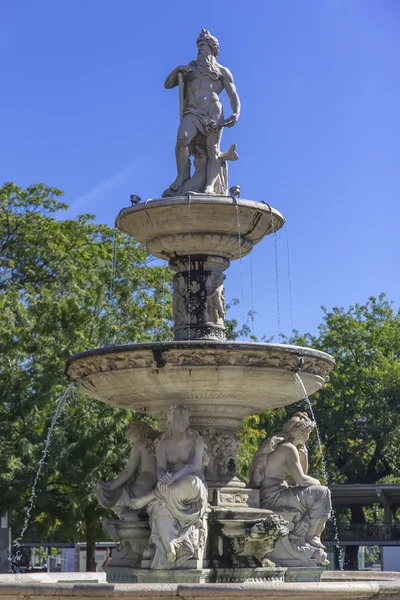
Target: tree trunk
<point>91,528</point>
<point>351,555</point>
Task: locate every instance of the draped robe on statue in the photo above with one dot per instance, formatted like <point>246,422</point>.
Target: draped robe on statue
<point>176,517</point>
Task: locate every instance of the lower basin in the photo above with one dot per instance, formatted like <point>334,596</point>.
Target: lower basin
<point>217,380</point>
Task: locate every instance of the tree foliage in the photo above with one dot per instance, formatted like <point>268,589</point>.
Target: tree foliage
<point>59,296</point>
<point>358,412</point>
<point>61,293</point>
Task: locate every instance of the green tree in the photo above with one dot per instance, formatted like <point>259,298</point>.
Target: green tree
<point>58,297</point>
<point>358,412</point>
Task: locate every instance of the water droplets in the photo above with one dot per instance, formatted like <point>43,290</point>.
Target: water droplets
<point>31,502</point>
<point>189,277</point>
<point>278,309</point>
<point>289,280</point>
<point>240,255</point>
<point>302,392</point>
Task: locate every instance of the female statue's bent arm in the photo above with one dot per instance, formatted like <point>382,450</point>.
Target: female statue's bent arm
<point>294,467</point>
<point>129,471</point>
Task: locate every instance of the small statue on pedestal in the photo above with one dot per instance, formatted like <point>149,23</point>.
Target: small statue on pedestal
<point>310,501</point>
<point>202,121</point>
<point>117,494</point>
<point>178,503</point>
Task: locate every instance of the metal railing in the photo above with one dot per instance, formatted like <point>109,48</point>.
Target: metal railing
<point>364,532</point>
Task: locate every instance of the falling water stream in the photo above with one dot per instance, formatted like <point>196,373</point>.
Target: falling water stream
<point>164,294</point>
<point>304,396</point>
<point>189,282</point>
<point>251,296</point>
<point>278,309</point>
<point>110,337</point>
<point>240,258</point>
<point>31,502</point>
<point>113,262</point>
<point>289,281</point>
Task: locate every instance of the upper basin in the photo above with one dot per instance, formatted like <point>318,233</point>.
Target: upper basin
<point>218,380</point>
<point>199,224</point>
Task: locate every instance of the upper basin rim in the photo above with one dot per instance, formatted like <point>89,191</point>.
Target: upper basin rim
<point>206,200</point>
<point>205,344</point>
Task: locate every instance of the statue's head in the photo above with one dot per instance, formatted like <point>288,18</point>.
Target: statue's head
<point>205,37</point>
<point>177,417</point>
<point>139,431</point>
<point>298,428</point>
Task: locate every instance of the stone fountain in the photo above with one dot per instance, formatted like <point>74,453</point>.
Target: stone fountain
<point>199,228</point>
<point>187,524</point>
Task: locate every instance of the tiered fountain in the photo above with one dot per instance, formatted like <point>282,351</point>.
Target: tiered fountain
<point>199,229</point>
<point>184,516</point>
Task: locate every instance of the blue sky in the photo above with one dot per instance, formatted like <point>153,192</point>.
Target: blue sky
<point>83,108</point>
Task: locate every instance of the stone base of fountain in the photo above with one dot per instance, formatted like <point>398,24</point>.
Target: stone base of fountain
<point>92,586</point>
<point>243,575</point>
<point>243,544</point>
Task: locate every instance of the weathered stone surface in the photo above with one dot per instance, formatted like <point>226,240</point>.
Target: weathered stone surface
<point>304,574</point>
<point>222,447</point>
<point>360,576</point>
<point>151,576</point>
<point>15,589</point>
<point>244,538</point>
<point>234,496</point>
<point>247,575</point>
<point>134,538</point>
<point>198,304</point>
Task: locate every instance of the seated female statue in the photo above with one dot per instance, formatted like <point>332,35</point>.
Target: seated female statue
<point>177,505</point>
<point>286,453</point>
<point>117,494</point>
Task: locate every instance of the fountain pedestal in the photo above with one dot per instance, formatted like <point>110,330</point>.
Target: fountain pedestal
<point>199,235</point>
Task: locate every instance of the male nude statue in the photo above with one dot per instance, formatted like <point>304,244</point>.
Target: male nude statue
<point>200,130</point>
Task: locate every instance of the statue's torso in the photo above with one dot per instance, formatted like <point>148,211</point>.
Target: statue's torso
<point>277,468</point>
<point>202,92</point>
<point>178,453</point>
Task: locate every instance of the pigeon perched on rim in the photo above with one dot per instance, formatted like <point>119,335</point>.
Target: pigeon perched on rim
<point>234,191</point>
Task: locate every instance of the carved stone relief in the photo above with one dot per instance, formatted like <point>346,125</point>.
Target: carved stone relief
<point>268,357</point>
<point>222,447</point>
<point>198,303</point>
